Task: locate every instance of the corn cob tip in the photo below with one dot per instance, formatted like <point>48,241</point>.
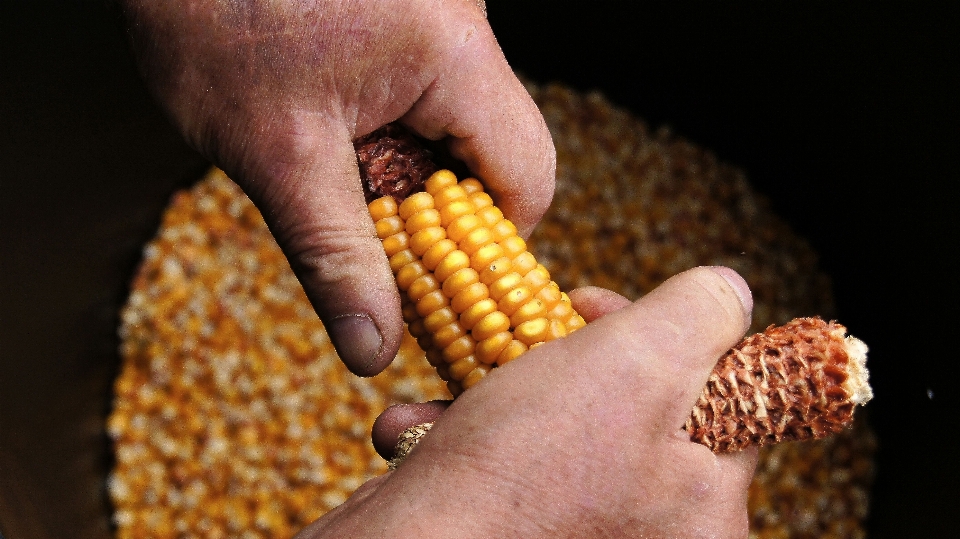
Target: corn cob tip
<point>858,384</point>
<point>794,382</point>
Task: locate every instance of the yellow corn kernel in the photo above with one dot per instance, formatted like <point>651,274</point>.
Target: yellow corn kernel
<point>550,295</point>
<point>471,185</point>
<point>441,179</point>
<point>528,311</point>
<point>396,243</point>
<point>462,367</point>
<point>532,331</point>
<point>462,226</point>
<point>514,299</point>
<point>417,329</point>
<point>490,215</point>
<point>490,325</point>
<point>537,278</point>
<point>562,310</point>
<point>460,348</point>
<point>575,322</point>
<point>422,286</point>
<point>461,279</point>
<point>382,208</point>
<point>401,259</point>
<point>524,263</point>
<point>408,310</point>
<point>436,253</point>
<point>489,349</point>
<point>454,209</point>
<point>503,285</point>
<point>469,296</point>
<point>555,330</point>
<point>422,240</point>
<point>485,256</point>
<point>431,302</point>
<point>445,336</point>
<point>474,313</point>
<point>415,203</point>
<point>389,226</point>
<point>422,219</point>
<point>439,318</point>
<point>409,273</point>
<point>450,264</point>
<point>513,350</point>
<point>450,194</point>
<point>513,245</point>
<point>475,376</point>
<point>476,239</point>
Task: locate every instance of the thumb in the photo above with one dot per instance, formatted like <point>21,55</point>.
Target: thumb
<point>313,203</point>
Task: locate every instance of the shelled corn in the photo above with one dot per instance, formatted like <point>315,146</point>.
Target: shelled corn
<point>234,418</point>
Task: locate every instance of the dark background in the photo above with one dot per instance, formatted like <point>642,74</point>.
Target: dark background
<point>845,114</point>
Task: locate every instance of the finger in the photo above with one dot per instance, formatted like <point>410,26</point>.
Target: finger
<point>493,124</point>
<point>592,302</point>
<point>735,472</point>
<point>310,194</point>
<point>399,417</point>
<point>659,351</point>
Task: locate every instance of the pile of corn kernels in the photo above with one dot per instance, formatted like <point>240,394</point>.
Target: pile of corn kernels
<point>233,417</point>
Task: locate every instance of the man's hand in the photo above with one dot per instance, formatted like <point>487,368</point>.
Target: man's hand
<point>274,92</point>
<point>581,437</point>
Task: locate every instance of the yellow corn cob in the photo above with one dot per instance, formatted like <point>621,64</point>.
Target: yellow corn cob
<point>473,296</point>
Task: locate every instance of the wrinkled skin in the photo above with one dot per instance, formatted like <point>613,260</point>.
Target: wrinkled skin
<point>580,437</point>
<point>274,91</point>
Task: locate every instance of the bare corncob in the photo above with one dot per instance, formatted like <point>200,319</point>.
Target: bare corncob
<point>798,381</point>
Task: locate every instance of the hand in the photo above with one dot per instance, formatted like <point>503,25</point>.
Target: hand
<point>274,92</point>
<point>580,437</point>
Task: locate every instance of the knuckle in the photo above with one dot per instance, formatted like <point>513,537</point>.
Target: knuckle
<point>326,255</point>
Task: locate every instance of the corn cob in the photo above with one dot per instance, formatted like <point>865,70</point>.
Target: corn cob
<point>799,381</point>
<point>475,298</point>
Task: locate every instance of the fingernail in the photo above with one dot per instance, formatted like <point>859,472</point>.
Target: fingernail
<point>739,286</point>
<point>358,342</point>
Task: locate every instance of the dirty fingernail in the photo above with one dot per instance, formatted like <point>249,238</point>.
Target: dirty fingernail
<point>358,342</point>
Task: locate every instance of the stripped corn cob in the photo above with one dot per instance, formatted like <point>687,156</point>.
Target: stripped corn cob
<point>473,296</point>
